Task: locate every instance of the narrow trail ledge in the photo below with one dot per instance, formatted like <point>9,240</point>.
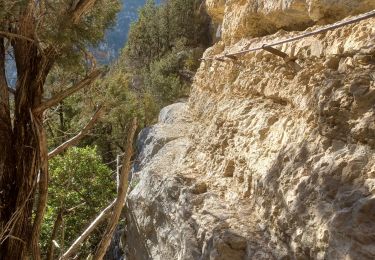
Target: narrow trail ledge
<point>263,162</point>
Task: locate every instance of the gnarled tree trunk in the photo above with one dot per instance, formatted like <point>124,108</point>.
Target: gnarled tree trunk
<point>7,162</point>
<point>24,142</point>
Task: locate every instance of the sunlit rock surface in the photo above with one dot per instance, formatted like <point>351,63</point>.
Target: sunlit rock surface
<point>264,162</point>
<point>252,18</point>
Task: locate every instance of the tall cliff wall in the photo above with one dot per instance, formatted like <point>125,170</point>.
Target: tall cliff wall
<point>264,162</point>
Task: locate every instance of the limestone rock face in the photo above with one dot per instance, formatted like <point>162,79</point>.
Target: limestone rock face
<point>252,18</point>
<point>215,9</point>
<point>332,9</point>
<point>265,162</point>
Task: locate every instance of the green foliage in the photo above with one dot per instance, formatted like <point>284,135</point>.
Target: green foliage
<point>163,78</point>
<point>78,179</point>
<point>164,48</point>
<point>155,69</point>
<point>72,38</point>
<point>144,35</point>
<point>160,28</point>
<point>54,26</point>
<point>123,103</point>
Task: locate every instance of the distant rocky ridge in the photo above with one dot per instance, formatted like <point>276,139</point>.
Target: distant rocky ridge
<point>116,37</point>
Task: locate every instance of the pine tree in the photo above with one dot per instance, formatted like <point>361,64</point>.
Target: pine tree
<point>164,46</point>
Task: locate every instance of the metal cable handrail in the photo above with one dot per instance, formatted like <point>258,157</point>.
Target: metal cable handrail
<point>357,19</point>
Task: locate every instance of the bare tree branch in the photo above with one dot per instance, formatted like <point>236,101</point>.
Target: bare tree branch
<point>76,244</point>
<point>66,93</point>
<point>68,211</point>
<point>80,9</point>
<point>11,36</point>
<point>78,137</point>
<point>12,91</point>
<point>121,195</point>
<point>57,98</point>
<point>90,58</point>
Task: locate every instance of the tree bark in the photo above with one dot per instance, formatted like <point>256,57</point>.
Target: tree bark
<point>7,169</point>
<point>42,192</point>
<point>26,142</point>
<point>121,195</point>
<point>20,233</point>
<point>74,140</point>
<point>32,70</point>
<point>56,226</point>
<point>28,162</point>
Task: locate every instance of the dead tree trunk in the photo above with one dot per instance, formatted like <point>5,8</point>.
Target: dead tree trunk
<point>56,226</point>
<point>123,186</point>
<point>77,243</point>
<point>117,205</point>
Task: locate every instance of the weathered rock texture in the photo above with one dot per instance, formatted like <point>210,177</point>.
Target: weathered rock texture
<point>264,162</point>
<point>252,18</point>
